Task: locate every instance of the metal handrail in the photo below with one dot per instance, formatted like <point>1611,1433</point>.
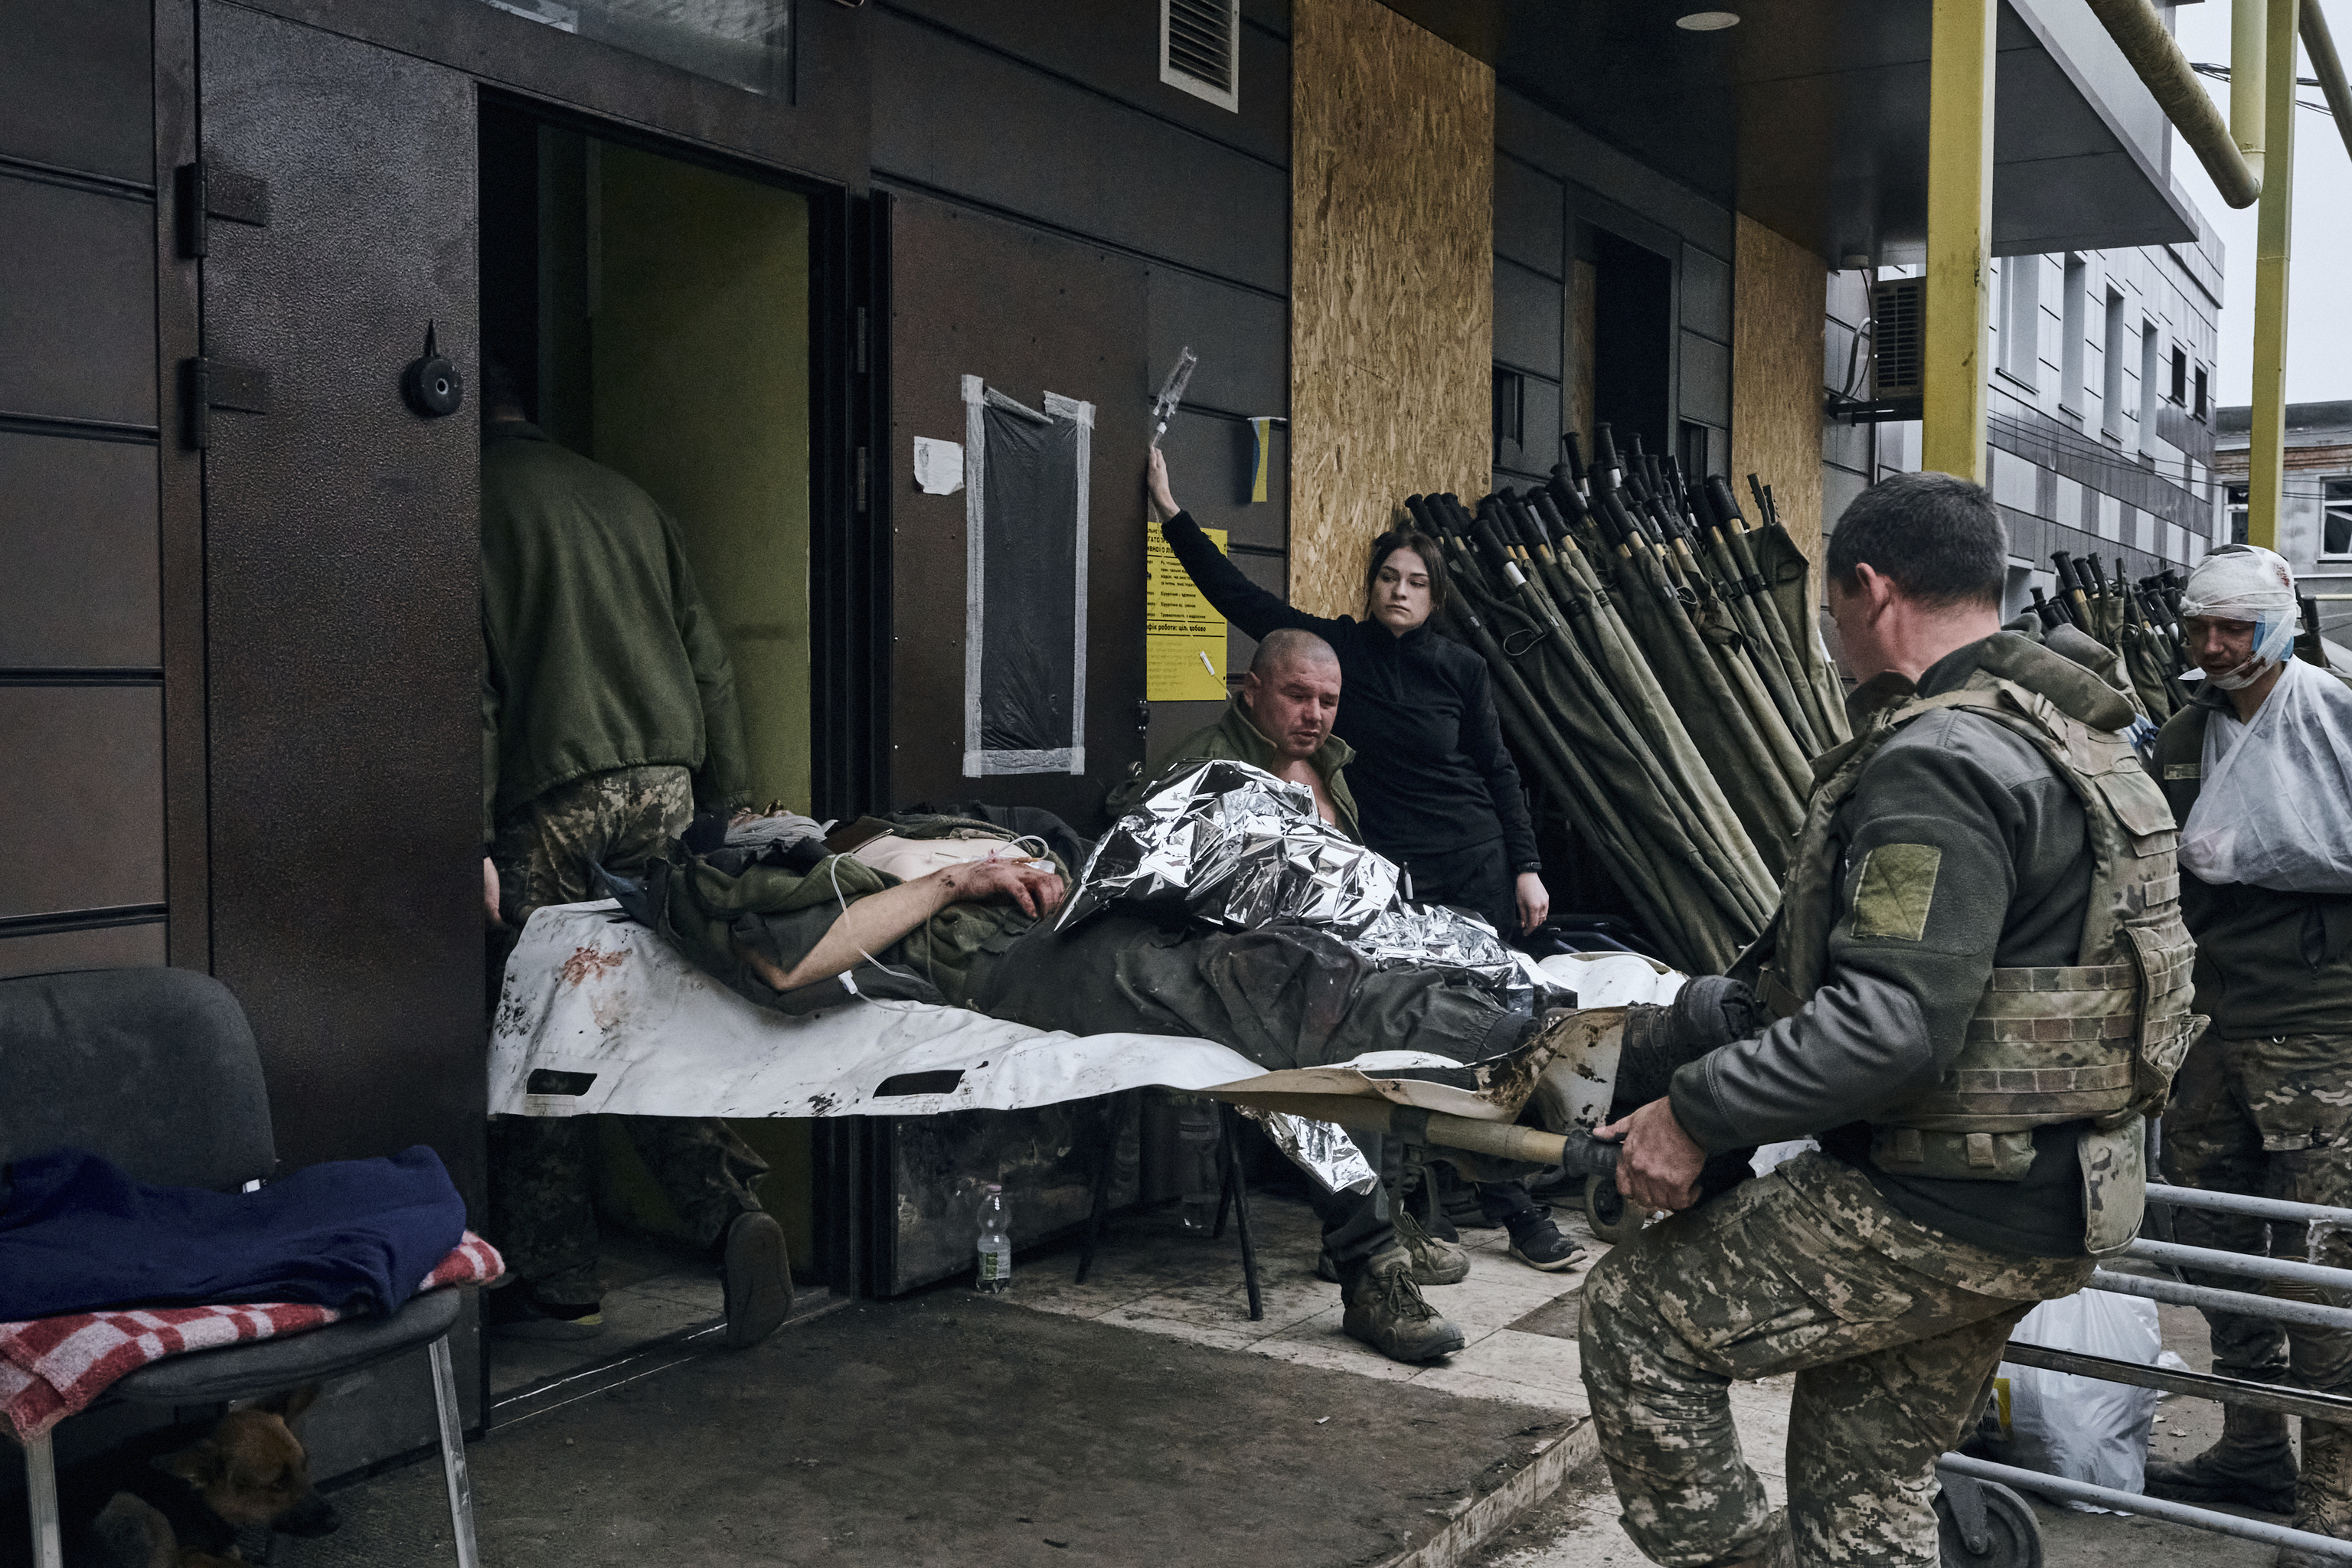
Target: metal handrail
<point>2244,1303</point>
<point>2286,1270</point>
<point>2152,1508</point>
<point>2246,1204</point>
<point>2308,1402</point>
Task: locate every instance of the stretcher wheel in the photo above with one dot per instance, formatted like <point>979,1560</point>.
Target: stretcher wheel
<point>2004,1525</point>
<point>1605,1210</point>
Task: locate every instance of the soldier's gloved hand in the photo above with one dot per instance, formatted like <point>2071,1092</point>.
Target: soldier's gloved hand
<point>1708,1012</point>
<point>1660,1166</point>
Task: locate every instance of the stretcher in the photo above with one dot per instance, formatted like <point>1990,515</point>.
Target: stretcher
<point>599,1016</point>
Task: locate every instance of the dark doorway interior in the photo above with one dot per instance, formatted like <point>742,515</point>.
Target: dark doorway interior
<point>655,314</point>
<point>1633,338</point>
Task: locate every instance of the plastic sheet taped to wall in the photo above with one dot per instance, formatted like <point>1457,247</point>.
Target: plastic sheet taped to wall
<point>1026,482</point>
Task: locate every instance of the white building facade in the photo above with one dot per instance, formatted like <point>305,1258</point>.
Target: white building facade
<point>2100,420</point>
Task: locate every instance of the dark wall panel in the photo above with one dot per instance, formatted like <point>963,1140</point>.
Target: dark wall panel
<point>1208,468</point>
<point>77,303</point>
<point>76,86</point>
<point>1030,314</point>
<point>1531,216</point>
<point>105,947</point>
<point>77,535</point>
<point>980,126</point>
<point>1242,336</point>
<point>1526,319</point>
<point>1706,391</point>
<point>82,765</point>
<point>1116,50</point>
<point>1706,293</point>
<point>1534,455</point>
<point>342,618</point>
<point>823,133</point>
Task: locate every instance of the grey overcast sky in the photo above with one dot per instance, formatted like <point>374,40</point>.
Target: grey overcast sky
<point>2319,279</point>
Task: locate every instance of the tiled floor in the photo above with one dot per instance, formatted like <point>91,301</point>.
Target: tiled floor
<point>1151,1278</point>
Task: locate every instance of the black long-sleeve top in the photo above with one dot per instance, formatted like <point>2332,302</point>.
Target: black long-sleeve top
<point>1431,775</point>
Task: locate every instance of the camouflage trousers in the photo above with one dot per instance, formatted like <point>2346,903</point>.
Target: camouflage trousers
<point>2272,1118</point>
<point>544,1182</point>
<point>543,1176</point>
<point>1893,1329</point>
<point>619,819</point>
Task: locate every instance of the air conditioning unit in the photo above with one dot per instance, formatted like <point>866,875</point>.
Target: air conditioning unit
<point>1898,313</point>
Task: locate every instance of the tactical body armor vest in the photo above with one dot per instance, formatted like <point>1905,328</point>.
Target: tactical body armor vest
<point>2097,1040</point>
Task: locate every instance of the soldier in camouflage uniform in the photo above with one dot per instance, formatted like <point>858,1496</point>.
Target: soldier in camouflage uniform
<point>2263,1105</point>
<point>608,713</point>
<point>1977,982</point>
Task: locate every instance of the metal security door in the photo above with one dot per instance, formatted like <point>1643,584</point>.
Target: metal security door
<point>343,617</point>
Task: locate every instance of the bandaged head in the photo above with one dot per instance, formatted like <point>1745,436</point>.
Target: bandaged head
<point>2245,583</point>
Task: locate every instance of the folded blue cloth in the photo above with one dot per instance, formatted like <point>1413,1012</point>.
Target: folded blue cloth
<point>77,1235</point>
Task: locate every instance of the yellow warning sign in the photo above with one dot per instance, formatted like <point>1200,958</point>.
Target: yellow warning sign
<point>1184,637</point>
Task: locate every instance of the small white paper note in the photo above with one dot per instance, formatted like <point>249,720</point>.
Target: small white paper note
<point>939,466</point>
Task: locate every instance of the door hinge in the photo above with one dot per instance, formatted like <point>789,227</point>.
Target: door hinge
<point>862,466</point>
<point>210,384</point>
<point>864,364</point>
<point>206,191</point>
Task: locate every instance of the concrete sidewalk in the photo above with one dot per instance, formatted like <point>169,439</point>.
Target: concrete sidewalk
<point>1140,1418</point>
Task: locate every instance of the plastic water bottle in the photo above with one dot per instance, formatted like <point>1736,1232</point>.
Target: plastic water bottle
<point>995,1275</point>
<point>1196,1163</point>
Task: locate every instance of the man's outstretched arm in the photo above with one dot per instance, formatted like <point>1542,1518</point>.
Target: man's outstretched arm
<point>875,921</point>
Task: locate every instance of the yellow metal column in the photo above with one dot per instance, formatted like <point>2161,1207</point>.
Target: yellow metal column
<point>2274,218</point>
<point>1959,228</point>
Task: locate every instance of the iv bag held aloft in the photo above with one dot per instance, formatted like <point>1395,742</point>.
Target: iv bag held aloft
<point>995,1272</point>
<point>1171,393</point>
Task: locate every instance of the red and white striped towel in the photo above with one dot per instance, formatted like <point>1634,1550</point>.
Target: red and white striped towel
<point>51,1368</point>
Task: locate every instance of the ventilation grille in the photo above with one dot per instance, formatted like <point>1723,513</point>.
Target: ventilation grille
<point>1200,49</point>
<point>1898,311</point>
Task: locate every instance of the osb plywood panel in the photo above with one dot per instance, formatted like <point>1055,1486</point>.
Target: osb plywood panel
<point>1778,289</point>
<point>1391,283</point>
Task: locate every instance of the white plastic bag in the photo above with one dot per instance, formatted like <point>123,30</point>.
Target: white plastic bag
<point>2275,809</point>
<point>2080,1427</point>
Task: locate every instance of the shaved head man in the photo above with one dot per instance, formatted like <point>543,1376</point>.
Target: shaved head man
<point>1291,695</point>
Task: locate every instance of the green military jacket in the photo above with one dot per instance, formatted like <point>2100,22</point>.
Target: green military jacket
<point>2268,963</point>
<point>598,652</point>
<point>1964,851</point>
<point>1234,738</point>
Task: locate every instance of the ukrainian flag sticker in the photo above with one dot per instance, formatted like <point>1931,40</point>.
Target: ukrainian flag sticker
<point>1261,454</point>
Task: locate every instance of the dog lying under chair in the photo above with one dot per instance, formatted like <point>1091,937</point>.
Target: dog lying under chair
<point>177,1497</point>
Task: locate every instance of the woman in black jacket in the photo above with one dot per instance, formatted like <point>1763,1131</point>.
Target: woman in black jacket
<point>1435,788</point>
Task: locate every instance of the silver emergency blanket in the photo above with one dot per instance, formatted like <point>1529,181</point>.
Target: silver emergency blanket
<point>1232,846</point>
<point>1321,1149</point>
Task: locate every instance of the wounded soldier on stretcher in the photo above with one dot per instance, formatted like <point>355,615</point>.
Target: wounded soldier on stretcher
<point>947,911</point>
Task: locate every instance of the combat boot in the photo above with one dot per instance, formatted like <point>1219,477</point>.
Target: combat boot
<point>2322,1494</point>
<point>1385,1312</point>
<point>1434,1262</point>
<point>2252,1466</point>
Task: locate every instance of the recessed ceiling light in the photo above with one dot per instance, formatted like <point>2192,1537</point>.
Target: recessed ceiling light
<point>1707,21</point>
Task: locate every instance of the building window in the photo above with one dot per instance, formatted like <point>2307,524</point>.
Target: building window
<point>2021,317</point>
<point>2336,518</point>
<point>2111,369</point>
<point>2237,514</point>
<point>2179,394</point>
<point>2073,305</point>
<point>2202,387</point>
